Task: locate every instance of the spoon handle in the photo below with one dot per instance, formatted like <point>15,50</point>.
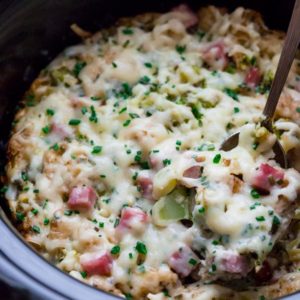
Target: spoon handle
<point>286,59</point>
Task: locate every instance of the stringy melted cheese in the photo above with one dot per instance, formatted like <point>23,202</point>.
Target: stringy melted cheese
<point>149,96</point>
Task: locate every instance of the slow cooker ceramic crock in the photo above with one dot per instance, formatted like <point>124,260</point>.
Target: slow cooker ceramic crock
<point>32,33</point>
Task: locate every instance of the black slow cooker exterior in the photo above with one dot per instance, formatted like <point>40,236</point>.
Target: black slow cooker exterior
<point>32,32</point>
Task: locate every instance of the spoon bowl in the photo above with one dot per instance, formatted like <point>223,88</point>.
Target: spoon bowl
<point>280,155</point>
<point>286,59</point>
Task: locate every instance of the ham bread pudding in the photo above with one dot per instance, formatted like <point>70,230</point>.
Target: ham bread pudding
<point>114,171</point>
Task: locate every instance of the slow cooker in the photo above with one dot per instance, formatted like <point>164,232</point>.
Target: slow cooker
<point>32,33</point>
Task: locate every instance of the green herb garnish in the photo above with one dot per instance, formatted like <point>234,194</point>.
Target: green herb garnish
<point>141,248</point>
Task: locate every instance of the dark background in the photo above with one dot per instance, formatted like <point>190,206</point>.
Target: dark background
<point>32,32</point>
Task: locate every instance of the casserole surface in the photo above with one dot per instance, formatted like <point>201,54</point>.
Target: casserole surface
<point>117,144</point>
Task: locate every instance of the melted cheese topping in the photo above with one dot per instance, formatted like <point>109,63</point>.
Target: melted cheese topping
<point>137,115</point>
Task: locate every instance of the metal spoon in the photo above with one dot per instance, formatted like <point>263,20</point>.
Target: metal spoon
<point>287,56</point>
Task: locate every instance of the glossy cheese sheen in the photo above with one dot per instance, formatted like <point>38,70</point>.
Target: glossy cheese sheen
<point>133,114</point>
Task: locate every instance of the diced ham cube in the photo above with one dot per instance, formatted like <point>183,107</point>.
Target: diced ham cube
<point>133,219</point>
<point>191,18</point>
<point>215,55</point>
<point>82,198</point>
<point>267,176</point>
<point>235,264</point>
<point>192,172</point>
<point>183,261</point>
<point>97,264</point>
<point>155,162</point>
<point>145,184</point>
<point>60,131</point>
<point>253,77</point>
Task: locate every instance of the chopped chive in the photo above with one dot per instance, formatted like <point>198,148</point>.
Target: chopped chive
<point>20,216</point>
<point>148,65</point>
<point>83,274</point>
<point>46,221</point>
<point>84,110</point>
<point>180,49</point>
<point>127,31</point>
<point>134,115</point>
<point>74,122</point>
<point>144,80</point>
<point>130,255</point>
<point>236,110</point>
<point>276,220</point>
<point>122,110</point>
<point>36,191</point>
<point>55,147</point>
<point>134,177</point>
<point>260,218</point>
<point>35,211</point>
<point>36,229</point>
<point>46,129</point>
<point>68,212</point>
<point>101,224</point>
<point>192,262</point>
<point>201,210</point>
<point>50,112</point>
<point>126,44</point>
<point>78,67</point>
<point>138,156</point>
<point>114,64</point>
<point>213,267</point>
<point>255,194</point>
<point>128,296</point>
<point>197,114</point>
<point>93,117</point>
<point>141,248</point>
<point>167,162</point>
<point>231,93</point>
<point>217,158</point>
<point>24,176</point>
<point>95,98</point>
<point>253,206</point>
<point>126,123</point>
<point>255,145</point>
<point>200,35</point>
<point>117,222</point>
<point>115,250</point>
<point>97,149</point>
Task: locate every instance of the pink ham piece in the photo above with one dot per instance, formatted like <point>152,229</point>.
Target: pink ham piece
<point>266,176</point>
<point>82,198</point>
<point>97,264</point>
<point>133,219</point>
<point>60,131</point>
<point>155,162</point>
<point>145,184</point>
<point>191,18</point>
<point>183,261</point>
<point>215,55</point>
<point>235,264</point>
<point>192,172</point>
<point>253,77</point>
